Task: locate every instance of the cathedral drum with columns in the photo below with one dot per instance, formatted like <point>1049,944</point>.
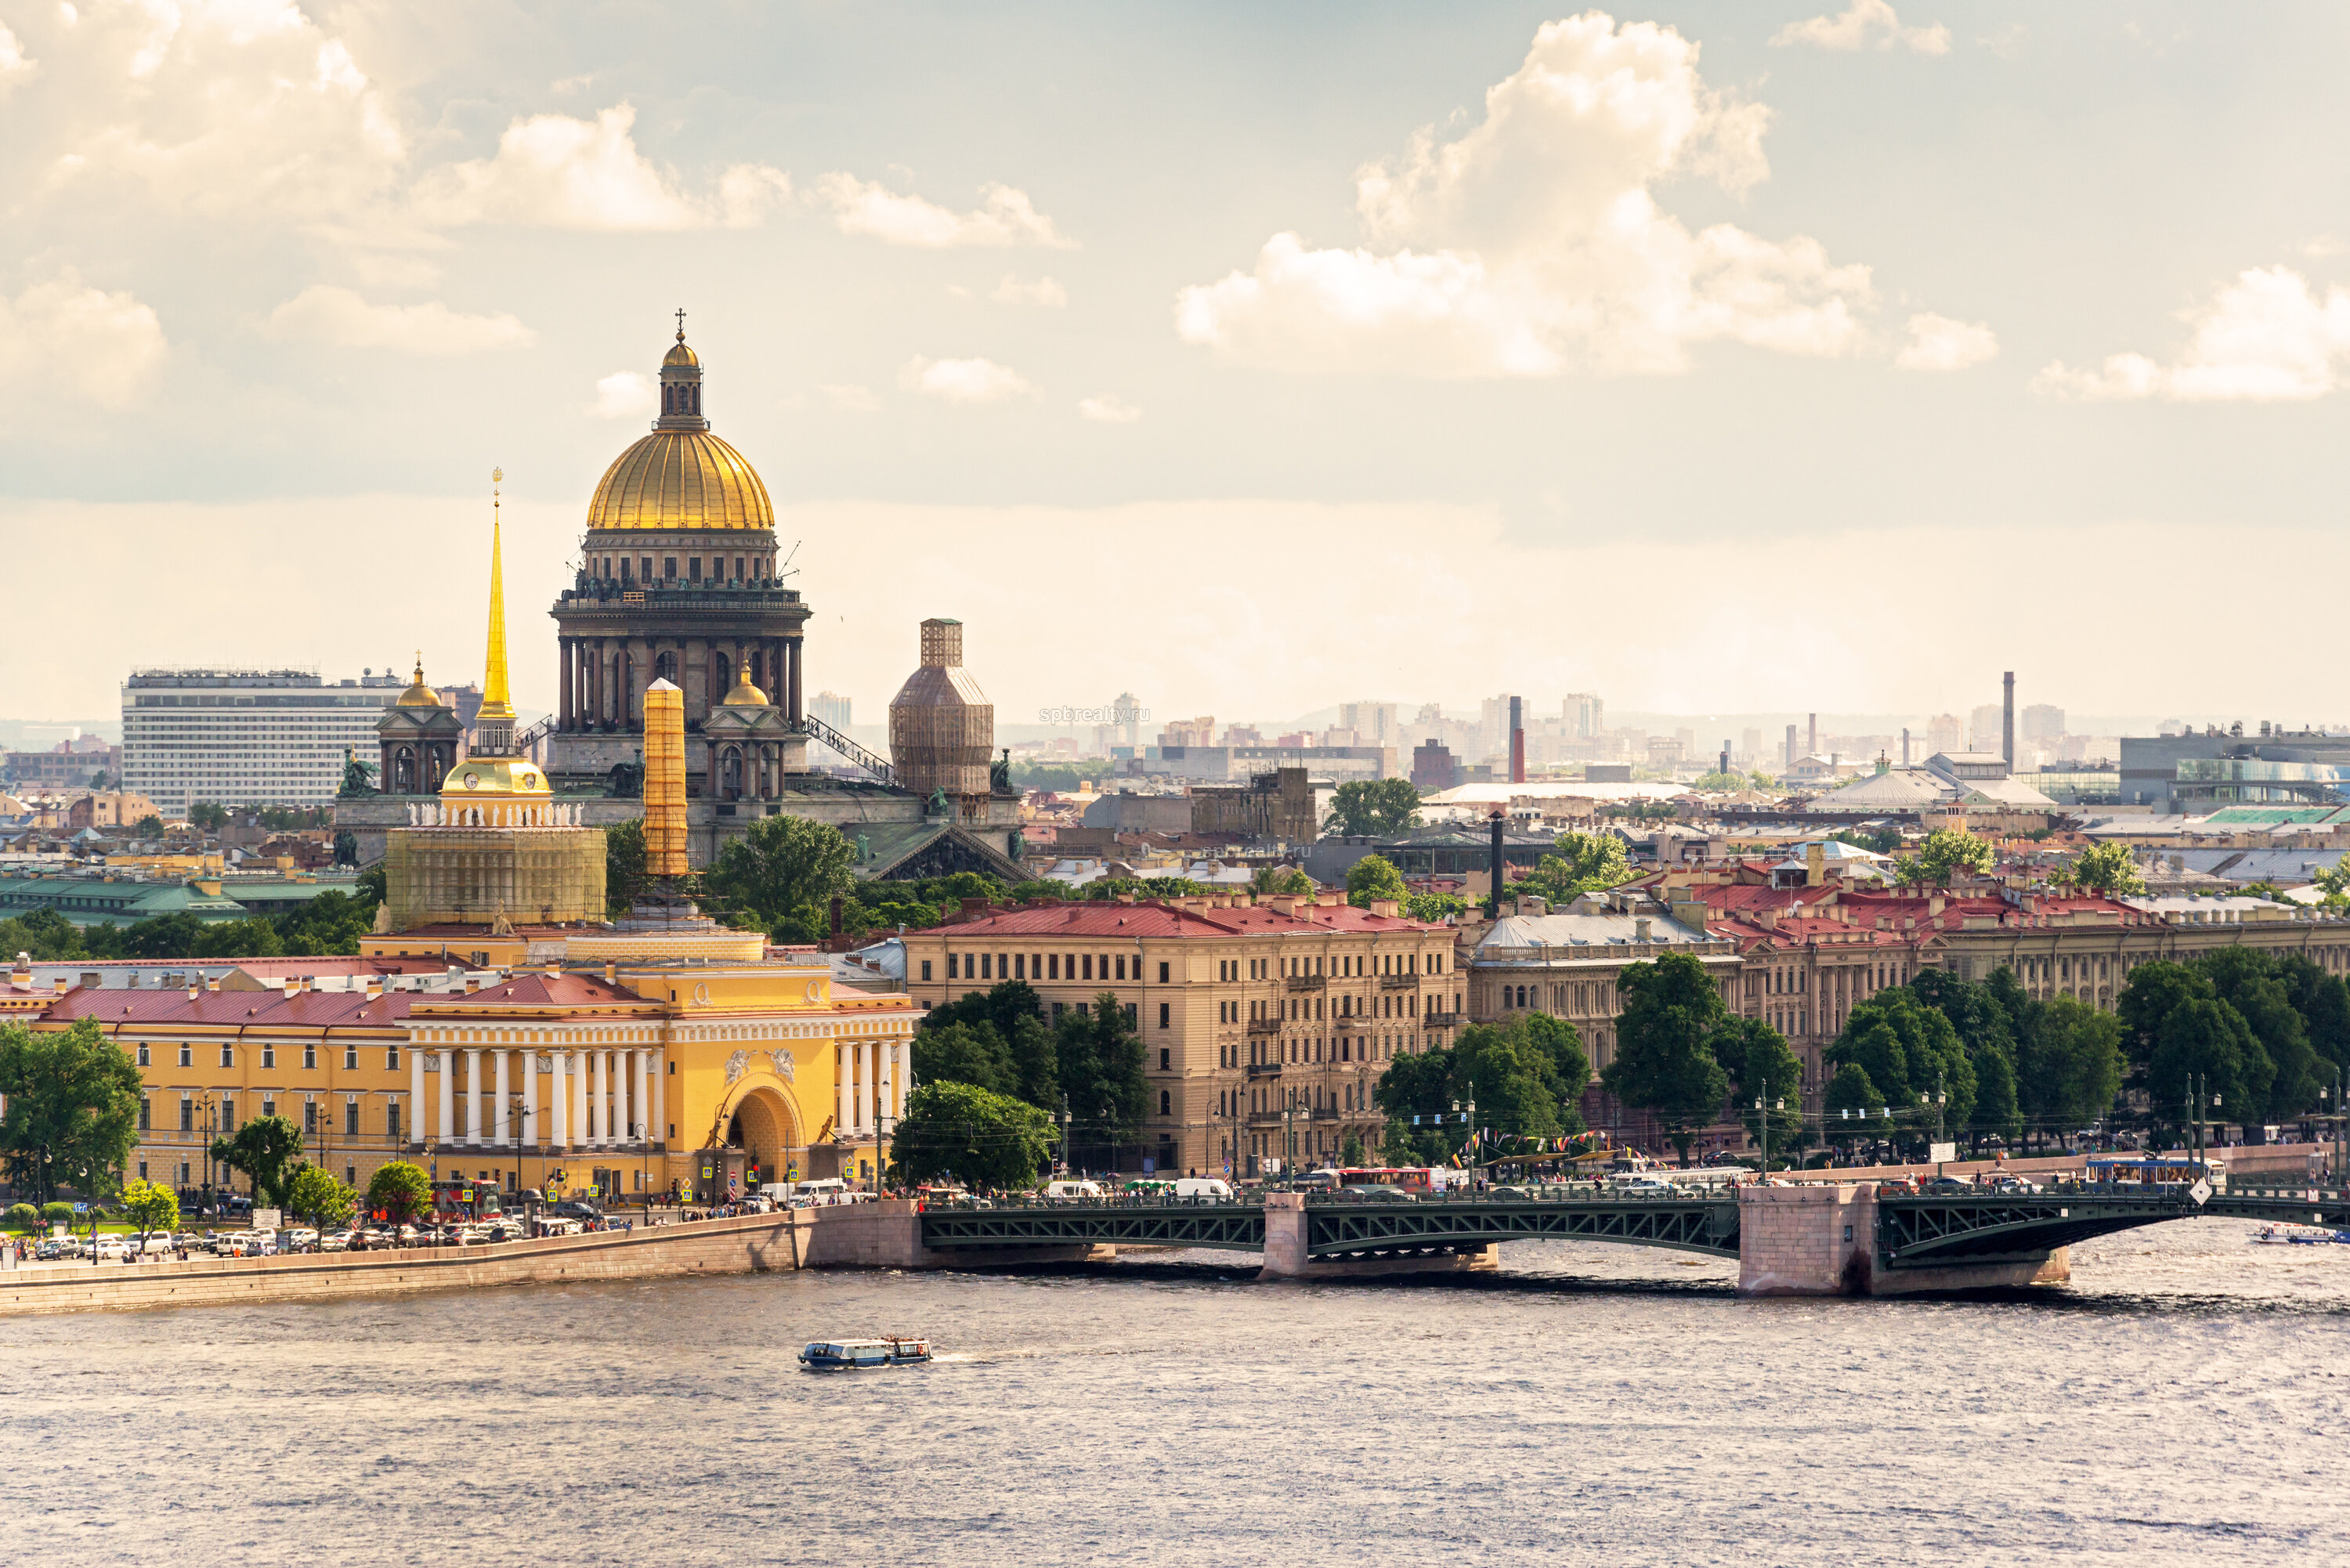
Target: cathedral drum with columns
<point>678,582</point>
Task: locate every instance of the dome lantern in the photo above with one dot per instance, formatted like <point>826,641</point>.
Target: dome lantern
<point>681,387</point>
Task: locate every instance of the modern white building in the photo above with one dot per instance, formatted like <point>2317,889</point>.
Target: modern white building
<point>246,737</point>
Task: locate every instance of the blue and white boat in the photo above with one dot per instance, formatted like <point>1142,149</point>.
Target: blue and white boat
<point>845,1354</point>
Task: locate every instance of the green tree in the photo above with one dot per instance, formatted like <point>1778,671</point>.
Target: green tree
<point>1352,1153</point>
<point>2247,980</point>
<point>1374,876</point>
<point>1720,782</point>
<point>1664,1052</point>
<point>962,1053</point>
<point>2070,1067</point>
<point>2206,1037</point>
<point>963,1131</point>
<point>318,1197</point>
<point>151,1206</point>
<point>1512,1080</point>
<point>1036,1063</point>
<point>1911,1052</point>
<point>785,868</point>
<point>72,1108</point>
<point>1280,881</point>
<point>1099,1056</point>
<point>208,815</point>
<point>400,1191</point>
<point>265,1150</point>
<point>22,1217</point>
<point>1373,808</point>
<point>1885,840</point>
<point>2108,868</point>
<point>1579,863</point>
<point>47,935</point>
<point>626,879</point>
<point>1433,908</point>
<point>1946,850</point>
<point>150,827</point>
<point>1761,1066</point>
<point>2323,1003</point>
<point>2154,992</point>
<point>1854,1105</point>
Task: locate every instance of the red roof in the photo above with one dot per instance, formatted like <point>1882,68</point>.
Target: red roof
<point>256,1009</point>
<point>535,989</point>
<point>1159,921</point>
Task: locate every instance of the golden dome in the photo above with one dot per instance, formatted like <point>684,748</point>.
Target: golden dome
<point>680,355</point>
<point>420,695</point>
<point>680,479</point>
<point>496,778</point>
<point>745,694</point>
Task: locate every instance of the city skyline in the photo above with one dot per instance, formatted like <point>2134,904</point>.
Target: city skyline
<point>1262,354</point>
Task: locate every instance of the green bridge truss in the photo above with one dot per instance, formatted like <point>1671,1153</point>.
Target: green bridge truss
<point>1923,1232</point>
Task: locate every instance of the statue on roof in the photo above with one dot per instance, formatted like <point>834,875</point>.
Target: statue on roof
<point>358,777</point>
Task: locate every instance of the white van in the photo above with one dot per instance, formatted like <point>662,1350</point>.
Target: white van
<point>1071,1191</point>
<point>1202,1186</point>
<point>820,1190</point>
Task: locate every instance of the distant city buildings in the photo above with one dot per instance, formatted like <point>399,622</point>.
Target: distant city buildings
<point>71,763</point>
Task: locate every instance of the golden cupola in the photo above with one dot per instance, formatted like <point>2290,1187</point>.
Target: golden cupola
<point>680,476</point>
<point>419,695</point>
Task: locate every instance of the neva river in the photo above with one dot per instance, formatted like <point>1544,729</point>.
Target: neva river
<point>2186,1400</point>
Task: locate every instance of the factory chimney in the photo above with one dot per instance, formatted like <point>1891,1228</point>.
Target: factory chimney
<point>1812,741</point>
<point>1517,741</point>
<point>1493,900</point>
<point>2007,720</point>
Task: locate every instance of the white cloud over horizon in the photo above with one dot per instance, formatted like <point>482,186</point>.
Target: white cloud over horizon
<point>102,347</point>
<point>1005,216</point>
<point>1865,24</point>
<point>1532,245</point>
<point>624,394</point>
<point>1939,343</point>
<point>964,380</point>
<point>341,318</point>
<point>557,172</point>
<point>2265,337</point>
<point>1107,409</point>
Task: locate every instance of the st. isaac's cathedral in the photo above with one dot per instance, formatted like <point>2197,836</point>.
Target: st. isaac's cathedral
<point>681,580</point>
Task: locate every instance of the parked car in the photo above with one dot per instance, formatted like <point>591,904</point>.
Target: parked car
<point>1942,1185</point>
<point>335,1241</point>
<point>52,1250</point>
<point>301,1239</point>
<point>507,1227</point>
<point>2015,1184</point>
<point>577,1209</point>
<point>113,1248</point>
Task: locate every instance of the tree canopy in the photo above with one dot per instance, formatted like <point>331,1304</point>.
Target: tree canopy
<point>1373,808</point>
<point>1579,863</point>
<point>1525,1074</point>
<point>400,1191</point>
<point>150,1206</point>
<point>1665,1061</point>
<point>266,1150</point>
<point>2108,868</point>
<point>626,879</point>
<point>1946,852</point>
<point>782,872</point>
<point>1911,1052</point>
<point>1374,876</point>
<point>978,1136</point>
<point>319,1197</point>
<point>72,1109</point>
<point>1275,881</point>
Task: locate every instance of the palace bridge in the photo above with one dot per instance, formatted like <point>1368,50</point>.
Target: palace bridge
<point>1807,1239</point>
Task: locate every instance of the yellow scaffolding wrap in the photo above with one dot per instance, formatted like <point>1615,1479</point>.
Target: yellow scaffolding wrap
<point>664,779</point>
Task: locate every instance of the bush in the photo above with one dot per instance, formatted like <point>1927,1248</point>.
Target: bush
<point>56,1214</point>
<point>23,1216</point>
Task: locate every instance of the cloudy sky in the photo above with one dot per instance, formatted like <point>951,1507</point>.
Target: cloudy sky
<point>1713,358</point>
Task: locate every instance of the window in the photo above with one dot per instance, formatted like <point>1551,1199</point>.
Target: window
<point>1131,1009</point>
<point>391,1120</point>
<point>1162,1015</point>
<point>1020,966</point>
<point>693,568</point>
<point>142,1171</point>
<point>309,1119</point>
<point>1089,966</point>
<point>926,969</point>
<point>1162,974</point>
<point>187,1055</point>
<point>143,1060</point>
<point>309,1056</point>
<point>268,1108</point>
<point>1166,1104</point>
<point>669,568</point>
<point>1164,1055</point>
<point>350,1118</point>
<point>228,1055</point>
<point>391,1057</point>
<point>350,1058</point>
<point>268,1059</point>
<point>187,1114</point>
<point>143,1108</point>
<point>645,567</point>
<point>1121,966</point>
<point>950,966</point>
<point>1052,966</point>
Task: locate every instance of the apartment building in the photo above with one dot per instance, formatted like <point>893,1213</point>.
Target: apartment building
<point>246,737</point>
<point>1265,1026</point>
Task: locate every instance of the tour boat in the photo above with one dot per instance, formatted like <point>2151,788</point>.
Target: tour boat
<point>2295,1236</point>
<point>843,1355</point>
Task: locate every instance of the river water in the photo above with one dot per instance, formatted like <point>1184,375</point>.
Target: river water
<point>2186,1399</point>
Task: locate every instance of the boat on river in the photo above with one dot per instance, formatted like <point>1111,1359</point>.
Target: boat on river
<point>848,1355</point>
<point>2297,1236</point>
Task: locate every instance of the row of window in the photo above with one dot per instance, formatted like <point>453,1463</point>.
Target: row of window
<point>1349,1097</point>
<point>269,1057</point>
<point>642,567</point>
<point>313,1116</point>
<point>1042,966</point>
<point>1345,1048</point>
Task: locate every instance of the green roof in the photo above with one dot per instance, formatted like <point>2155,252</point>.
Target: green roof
<point>2249,815</point>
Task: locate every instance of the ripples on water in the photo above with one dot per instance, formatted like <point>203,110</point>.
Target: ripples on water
<point>2183,1401</point>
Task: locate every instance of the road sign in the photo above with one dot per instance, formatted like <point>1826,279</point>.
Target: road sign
<point>1939,1153</point>
<point>2200,1192</point>
<point>267,1219</point>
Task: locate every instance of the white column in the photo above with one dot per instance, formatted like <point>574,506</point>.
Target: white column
<point>624,1105</point>
<point>864,1085</point>
<point>905,1070</point>
<point>660,1095</point>
<point>614,1096</point>
<point>530,1097</point>
<point>600,1109</point>
<point>840,1084</point>
<point>415,1094</point>
<point>885,1081</point>
<point>473,1097</point>
<point>642,1094</point>
<point>579,1099</point>
<point>448,1093</point>
<point>558,1101</point>
<point>498,1121</point>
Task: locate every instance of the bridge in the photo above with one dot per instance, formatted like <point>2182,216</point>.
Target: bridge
<point>1813,1239</point>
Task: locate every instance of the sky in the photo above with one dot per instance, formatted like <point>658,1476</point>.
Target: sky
<point>1752,358</point>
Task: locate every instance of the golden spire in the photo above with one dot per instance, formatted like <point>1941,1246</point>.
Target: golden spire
<point>494,703</point>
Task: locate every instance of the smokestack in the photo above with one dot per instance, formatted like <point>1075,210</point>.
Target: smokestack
<point>1517,742</point>
<point>1725,756</point>
<point>664,779</point>
<point>1493,899</point>
<point>1791,746</point>
<point>2007,720</point>
<point>1812,741</point>
<point>1905,745</point>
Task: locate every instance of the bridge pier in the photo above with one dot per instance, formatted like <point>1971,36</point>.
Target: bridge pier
<point>1286,1258</point>
<point>1820,1240</point>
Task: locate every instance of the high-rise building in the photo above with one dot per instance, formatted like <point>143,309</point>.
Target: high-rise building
<point>246,737</point>
<point>1374,724</point>
<point>1127,719</point>
<point>1983,727</point>
<point>832,708</point>
<point>1493,726</point>
<point>1749,747</point>
<point>2042,722</point>
<point>1944,734</point>
<point>1585,713</point>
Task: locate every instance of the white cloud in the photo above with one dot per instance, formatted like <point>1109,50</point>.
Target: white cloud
<point>1867,25</point>
<point>2264,338</point>
<point>1109,409</point>
<point>623,394</point>
<point>93,346</point>
<point>1939,343</point>
<point>1532,244</point>
<point>12,62</point>
<point>555,171</point>
<point>1044,290</point>
<point>856,399</point>
<point>963,381</point>
<point>340,318</point>
<point>1005,216</point>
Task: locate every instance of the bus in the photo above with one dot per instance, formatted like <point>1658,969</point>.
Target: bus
<point>2156,1171</point>
<point>1410,1177</point>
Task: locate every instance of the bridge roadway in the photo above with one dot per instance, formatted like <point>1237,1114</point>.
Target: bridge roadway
<point>1950,1238</point>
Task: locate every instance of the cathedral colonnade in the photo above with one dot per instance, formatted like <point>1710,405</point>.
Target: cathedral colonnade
<point>492,1098</point>
<point>602,680</point>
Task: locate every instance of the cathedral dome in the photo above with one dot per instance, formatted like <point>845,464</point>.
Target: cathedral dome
<point>680,479</point>
<point>419,695</point>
